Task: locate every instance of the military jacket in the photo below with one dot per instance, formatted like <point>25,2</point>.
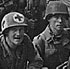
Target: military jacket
<point>22,57</point>
<point>54,50</point>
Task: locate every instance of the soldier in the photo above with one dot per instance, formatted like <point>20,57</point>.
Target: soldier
<point>16,47</point>
<point>53,43</point>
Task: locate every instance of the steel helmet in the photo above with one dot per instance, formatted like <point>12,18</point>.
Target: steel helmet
<point>67,2</point>
<point>56,7</point>
<point>12,19</point>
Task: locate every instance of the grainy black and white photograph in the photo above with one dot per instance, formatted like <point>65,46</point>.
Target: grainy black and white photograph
<point>34,34</point>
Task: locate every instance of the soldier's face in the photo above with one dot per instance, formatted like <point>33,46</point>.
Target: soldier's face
<point>15,35</point>
<point>57,22</point>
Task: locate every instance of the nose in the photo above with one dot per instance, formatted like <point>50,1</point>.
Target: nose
<point>59,19</point>
<point>17,32</point>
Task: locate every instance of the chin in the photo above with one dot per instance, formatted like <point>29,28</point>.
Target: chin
<point>59,28</point>
<point>17,43</point>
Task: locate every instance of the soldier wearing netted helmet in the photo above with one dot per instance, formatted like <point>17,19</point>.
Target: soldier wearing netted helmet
<point>53,43</point>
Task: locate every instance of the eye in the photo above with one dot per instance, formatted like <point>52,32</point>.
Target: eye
<point>65,17</point>
<point>22,29</point>
<point>56,16</point>
<point>13,29</point>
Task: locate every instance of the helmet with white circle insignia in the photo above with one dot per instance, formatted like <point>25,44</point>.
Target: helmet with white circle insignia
<point>13,19</point>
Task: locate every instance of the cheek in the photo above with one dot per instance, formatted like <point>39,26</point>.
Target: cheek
<point>11,35</point>
<point>65,23</point>
<point>53,24</point>
<point>21,32</point>
<point>21,35</point>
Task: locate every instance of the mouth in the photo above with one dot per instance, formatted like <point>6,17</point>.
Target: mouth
<point>17,38</point>
<point>58,25</point>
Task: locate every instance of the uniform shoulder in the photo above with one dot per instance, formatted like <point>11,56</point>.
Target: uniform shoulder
<point>42,36</point>
<point>38,39</point>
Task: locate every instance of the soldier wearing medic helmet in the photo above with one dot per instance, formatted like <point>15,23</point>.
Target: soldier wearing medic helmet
<point>53,43</point>
<point>16,47</point>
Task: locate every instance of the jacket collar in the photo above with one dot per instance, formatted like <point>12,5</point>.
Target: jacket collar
<point>49,36</point>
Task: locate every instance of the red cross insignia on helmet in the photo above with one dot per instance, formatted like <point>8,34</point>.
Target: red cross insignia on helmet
<point>19,18</point>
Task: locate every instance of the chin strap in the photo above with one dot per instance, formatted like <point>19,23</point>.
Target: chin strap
<point>5,46</point>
